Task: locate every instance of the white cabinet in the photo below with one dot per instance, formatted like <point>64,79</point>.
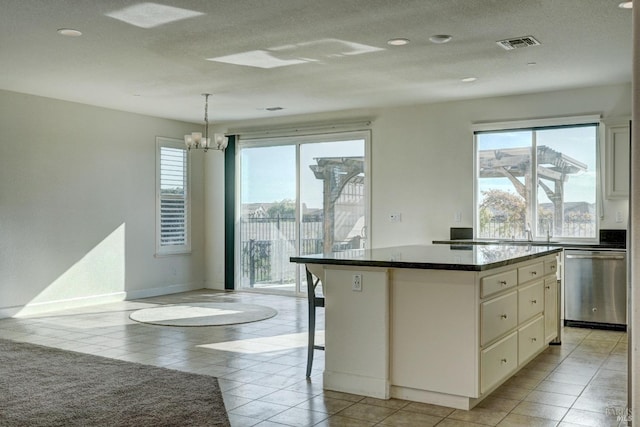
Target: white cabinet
<point>617,156</point>
<point>550,306</point>
<point>498,361</point>
<point>530,340</point>
<point>507,343</point>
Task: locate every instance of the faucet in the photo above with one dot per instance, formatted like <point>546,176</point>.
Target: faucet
<point>549,234</point>
<point>528,233</point>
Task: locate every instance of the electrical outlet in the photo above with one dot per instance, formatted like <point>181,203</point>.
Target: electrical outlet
<point>619,217</point>
<point>356,285</point>
<point>457,217</point>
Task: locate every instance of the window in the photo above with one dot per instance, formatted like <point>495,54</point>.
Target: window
<point>298,195</point>
<point>537,182</point>
<point>172,197</point>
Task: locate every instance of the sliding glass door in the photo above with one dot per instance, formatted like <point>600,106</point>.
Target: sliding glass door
<point>298,196</point>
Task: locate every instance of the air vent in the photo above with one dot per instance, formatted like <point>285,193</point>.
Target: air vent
<point>518,43</point>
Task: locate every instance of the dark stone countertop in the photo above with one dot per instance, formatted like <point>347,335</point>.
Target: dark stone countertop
<point>564,245</point>
<point>433,257</point>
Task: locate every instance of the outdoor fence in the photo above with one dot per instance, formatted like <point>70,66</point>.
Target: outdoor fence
<point>267,243</point>
<point>501,229</point>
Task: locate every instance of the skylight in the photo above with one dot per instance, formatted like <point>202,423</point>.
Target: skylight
<point>149,15</point>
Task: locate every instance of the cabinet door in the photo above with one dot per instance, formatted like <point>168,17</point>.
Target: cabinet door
<point>530,339</point>
<point>498,361</point>
<point>550,309</point>
<point>618,148</point>
<point>498,282</point>
<point>530,301</point>
<point>530,272</point>
<point>498,315</point>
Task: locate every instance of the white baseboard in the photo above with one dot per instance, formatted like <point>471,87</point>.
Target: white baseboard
<point>164,290</point>
<point>31,309</point>
<point>49,306</point>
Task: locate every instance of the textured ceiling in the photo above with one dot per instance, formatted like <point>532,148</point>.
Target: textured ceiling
<point>304,56</point>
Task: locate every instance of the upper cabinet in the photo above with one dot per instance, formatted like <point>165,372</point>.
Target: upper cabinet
<point>617,161</point>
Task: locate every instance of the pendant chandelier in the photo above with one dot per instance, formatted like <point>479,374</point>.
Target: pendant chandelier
<point>196,141</point>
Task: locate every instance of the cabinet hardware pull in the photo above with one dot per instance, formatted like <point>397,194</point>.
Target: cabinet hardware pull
<point>504,316</point>
<point>503,361</point>
<point>533,273</point>
<point>547,287</point>
<point>503,282</point>
<point>553,267</point>
<point>533,301</point>
<point>533,340</point>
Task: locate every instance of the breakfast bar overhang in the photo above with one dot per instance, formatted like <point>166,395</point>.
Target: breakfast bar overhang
<point>439,324</point>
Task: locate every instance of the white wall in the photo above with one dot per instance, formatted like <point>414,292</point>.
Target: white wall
<point>77,206</point>
<point>422,160</point>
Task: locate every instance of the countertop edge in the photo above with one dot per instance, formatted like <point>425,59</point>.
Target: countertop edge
<point>310,259</point>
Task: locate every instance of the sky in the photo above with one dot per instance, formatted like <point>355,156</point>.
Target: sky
<point>268,173</point>
<point>576,142</point>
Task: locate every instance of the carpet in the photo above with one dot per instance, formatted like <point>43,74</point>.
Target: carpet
<point>203,314</point>
<point>42,386</point>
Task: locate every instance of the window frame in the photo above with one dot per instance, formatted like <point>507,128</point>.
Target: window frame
<point>536,125</point>
<point>167,250</point>
<point>282,139</point>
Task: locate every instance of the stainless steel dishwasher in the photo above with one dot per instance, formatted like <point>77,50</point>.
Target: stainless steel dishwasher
<point>595,288</point>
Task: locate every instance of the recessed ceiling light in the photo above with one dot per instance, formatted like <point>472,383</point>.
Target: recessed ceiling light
<point>69,32</point>
<point>398,42</point>
<point>469,79</point>
<point>626,5</point>
<point>440,38</point>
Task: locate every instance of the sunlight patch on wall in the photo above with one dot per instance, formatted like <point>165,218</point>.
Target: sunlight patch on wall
<point>266,344</point>
<point>99,276</point>
<point>299,53</point>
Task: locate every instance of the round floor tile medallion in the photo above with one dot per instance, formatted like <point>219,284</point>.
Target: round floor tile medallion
<point>203,314</point>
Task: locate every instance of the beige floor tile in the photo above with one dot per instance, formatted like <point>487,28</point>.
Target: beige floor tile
<point>517,420</point>
<point>560,388</point>
<point>410,419</point>
<point>547,398</point>
<point>448,422</point>
<point>339,421</point>
<point>540,410</point>
<point>591,419</point>
<point>360,411</point>
<point>298,417</point>
<point>429,409</point>
<point>325,404</point>
<point>498,404</point>
<point>390,403</point>
<point>259,410</point>
<point>479,415</point>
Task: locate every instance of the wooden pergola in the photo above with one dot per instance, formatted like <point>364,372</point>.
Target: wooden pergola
<point>335,172</point>
<point>514,163</point>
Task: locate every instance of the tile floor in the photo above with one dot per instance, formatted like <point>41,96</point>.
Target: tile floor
<point>261,368</point>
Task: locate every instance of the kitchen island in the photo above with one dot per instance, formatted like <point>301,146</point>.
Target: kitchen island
<point>440,324</point>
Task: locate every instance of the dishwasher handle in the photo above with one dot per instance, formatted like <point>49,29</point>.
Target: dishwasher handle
<point>571,256</point>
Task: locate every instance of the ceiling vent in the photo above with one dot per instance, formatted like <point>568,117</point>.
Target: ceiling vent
<point>518,43</point>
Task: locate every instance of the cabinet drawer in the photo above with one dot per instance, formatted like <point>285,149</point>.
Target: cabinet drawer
<point>530,301</point>
<point>498,361</point>
<point>530,339</point>
<point>498,315</point>
<point>498,282</point>
<point>550,266</point>
<point>530,272</point>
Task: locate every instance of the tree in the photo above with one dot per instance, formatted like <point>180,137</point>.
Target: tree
<point>507,210</point>
<point>285,208</point>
